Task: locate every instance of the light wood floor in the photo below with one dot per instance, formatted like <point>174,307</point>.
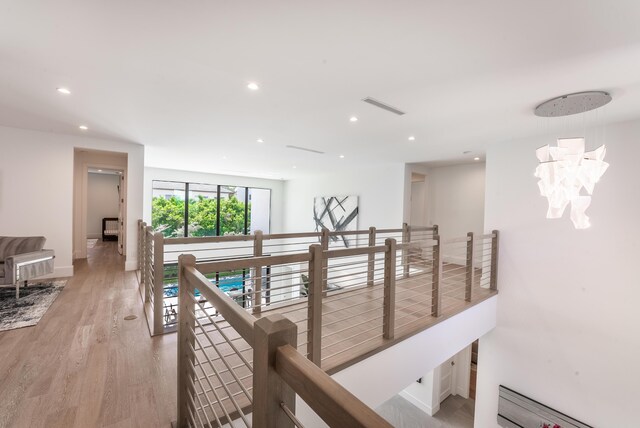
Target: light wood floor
<point>83,365</point>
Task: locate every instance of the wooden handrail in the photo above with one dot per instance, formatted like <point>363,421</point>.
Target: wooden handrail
<point>423,228</point>
<point>348,252</point>
<point>251,262</point>
<point>389,230</point>
<point>487,236</point>
<point>292,235</point>
<point>348,232</point>
<point>330,400</point>
<point>239,318</point>
<point>455,240</point>
<point>208,239</point>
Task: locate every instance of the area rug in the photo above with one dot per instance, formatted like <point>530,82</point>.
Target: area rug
<point>30,307</point>
<point>91,243</point>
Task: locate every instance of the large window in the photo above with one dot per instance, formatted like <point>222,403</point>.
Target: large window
<point>212,210</point>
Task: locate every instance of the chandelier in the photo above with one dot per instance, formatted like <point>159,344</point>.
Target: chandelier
<point>564,171</point>
<point>567,173</point>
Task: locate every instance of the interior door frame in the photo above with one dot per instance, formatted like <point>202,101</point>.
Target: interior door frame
<point>423,181</point>
<point>81,253</point>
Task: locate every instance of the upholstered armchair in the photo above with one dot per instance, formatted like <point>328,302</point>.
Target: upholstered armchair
<point>22,258</point>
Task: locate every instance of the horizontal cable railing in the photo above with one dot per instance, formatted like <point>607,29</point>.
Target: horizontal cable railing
<point>273,286</point>
<point>331,306</point>
<point>236,370</point>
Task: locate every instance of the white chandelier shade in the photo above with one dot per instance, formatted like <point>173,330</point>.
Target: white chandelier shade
<point>564,171</point>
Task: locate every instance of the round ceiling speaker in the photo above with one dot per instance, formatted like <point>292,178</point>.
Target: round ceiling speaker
<point>567,105</point>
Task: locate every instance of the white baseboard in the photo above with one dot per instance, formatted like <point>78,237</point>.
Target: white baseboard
<point>59,272</point>
<point>131,265</point>
<point>420,404</point>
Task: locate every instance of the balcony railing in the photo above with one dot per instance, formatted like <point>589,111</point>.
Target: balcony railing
<point>243,363</point>
<point>158,265</point>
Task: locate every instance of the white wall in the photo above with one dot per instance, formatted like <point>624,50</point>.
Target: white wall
<point>455,199</point>
<point>102,201</point>
<point>379,191</point>
<point>36,188</point>
<point>276,186</point>
<point>568,318</point>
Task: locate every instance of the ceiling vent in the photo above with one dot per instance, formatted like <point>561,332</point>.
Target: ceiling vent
<point>383,106</point>
<point>304,149</point>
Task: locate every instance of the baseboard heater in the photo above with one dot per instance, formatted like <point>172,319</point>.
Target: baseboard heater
<point>517,411</point>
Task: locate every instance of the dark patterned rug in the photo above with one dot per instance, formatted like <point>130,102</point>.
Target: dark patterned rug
<point>30,307</point>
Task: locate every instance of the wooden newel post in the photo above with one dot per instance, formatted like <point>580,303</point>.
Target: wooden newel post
<point>186,341</point>
<point>371,262</point>
<point>469,271</point>
<point>148,262</point>
<point>389,314</point>
<point>257,275</point>
<point>324,242</point>
<point>435,278</point>
<point>314,302</point>
<point>406,239</point>
<point>269,390</point>
<point>493,282</point>
<point>158,289</point>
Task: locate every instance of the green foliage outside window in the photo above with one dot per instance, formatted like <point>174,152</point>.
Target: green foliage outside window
<point>202,216</point>
<point>168,216</point>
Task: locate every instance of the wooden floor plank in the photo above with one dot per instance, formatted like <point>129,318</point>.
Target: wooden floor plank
<point>83,365</point>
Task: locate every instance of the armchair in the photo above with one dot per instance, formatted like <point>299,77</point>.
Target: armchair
<point>22,258</point>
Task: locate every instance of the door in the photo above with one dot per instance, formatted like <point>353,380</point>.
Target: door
<point>446,378</point>
<point>121,214</point>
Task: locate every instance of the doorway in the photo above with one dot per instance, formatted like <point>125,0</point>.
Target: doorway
<point>105,201</point>
<point>99,212</point>
<point>418,215</point>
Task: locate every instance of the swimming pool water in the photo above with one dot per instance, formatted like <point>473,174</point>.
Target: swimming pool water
<point>226,284</point>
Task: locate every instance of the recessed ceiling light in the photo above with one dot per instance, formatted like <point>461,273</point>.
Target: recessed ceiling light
<point>64,91</point>
<point>83,127</point>
<point>260,140</point>
<point>412,138</point>
<point>353,119</point>
<point>99,170</point>
<point>253,86</point>
<point>476,158</point>
<point>341,156</point>
<point>224,157</point>
<point>294,167</point>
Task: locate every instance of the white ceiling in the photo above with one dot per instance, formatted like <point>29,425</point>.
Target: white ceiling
<point>173,75</point>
